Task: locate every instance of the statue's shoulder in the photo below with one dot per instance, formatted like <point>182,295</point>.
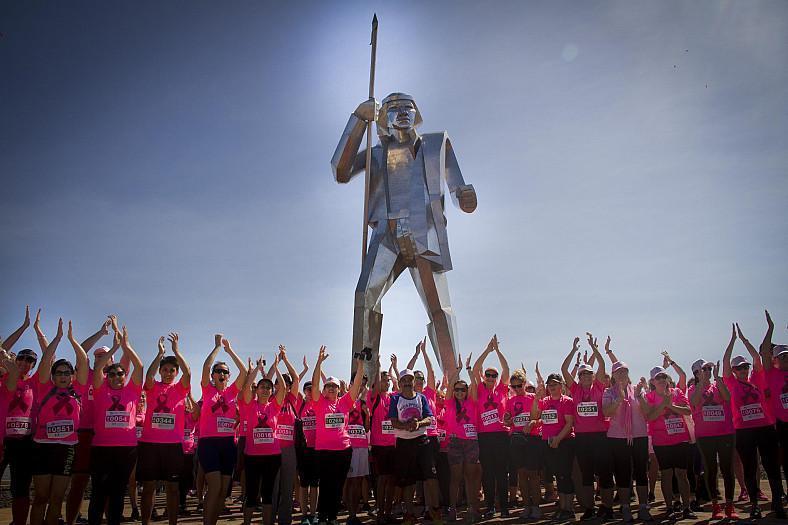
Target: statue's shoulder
<point>433,143</point>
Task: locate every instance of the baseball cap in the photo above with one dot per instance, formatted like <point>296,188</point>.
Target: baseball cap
<point>331,380</point>
<point>618,365</point>
<point>101,350</point>
<point>405,373</point>
<point>585,367</point>
<point>554,377</point>
<point>657,370</point>
<point>738,361</point>
<point>779,350</point>
<point>700,363</point>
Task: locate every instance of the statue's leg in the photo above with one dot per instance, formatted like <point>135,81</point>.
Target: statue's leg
<point>433,289</point>
<point>381,268</point>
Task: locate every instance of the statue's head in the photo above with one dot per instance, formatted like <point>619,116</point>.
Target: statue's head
<point>398,111</point>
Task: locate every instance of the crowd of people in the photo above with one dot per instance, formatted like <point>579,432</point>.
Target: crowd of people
<point>482,438</point>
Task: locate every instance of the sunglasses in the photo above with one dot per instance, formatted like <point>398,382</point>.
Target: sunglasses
<point>516,386</point>
<point>116,374</point>
<point>490,375</point>
<point>331,385</point>
<point>707,368</point>
<point>222,372</point>
<point>26,358</point>
<point>419,378</point>
<point>742,367</point>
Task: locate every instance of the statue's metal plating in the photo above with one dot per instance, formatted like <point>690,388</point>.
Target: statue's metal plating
<point>406,214</point>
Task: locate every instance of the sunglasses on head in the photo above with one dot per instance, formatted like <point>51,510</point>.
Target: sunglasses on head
<point>491,375</point>
<point>221,372</point>
<point>119,373</point>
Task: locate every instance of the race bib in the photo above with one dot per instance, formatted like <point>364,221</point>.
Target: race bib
<point>310,423</point>
<point>17,426</point>
<point>521,419</point>
<point>470,430</point>
<point>334,420</point>
<point>433,424</point>
<point>441,435</point>
<point>138,432</point>
<point>60,429</point>
<point>262,436</point>
<point>751,412</point>
<point>90,393</point>
<point>284,432</point>
<point>588,409</point>
<point>713,413</point>
<point>225,425</point>
<point>117,419</point>
<point>162,421</point>
<point>784,400</point>
<point>387,428</point>
<point>550,416</point>
<point>188,436</point>
<point>490,417</point>
<point>674,425</point>
<point>356,431</point>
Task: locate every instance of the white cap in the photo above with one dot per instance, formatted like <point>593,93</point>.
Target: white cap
<point>656,371</point>
<point>585,367</point>
<point>331,380</point>
<point>700,363</point>
<point>738,361</point>
<point>779,350</point>
<point>405,373</point>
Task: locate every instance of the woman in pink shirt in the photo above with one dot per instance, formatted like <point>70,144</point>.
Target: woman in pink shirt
<point>665,411</point>
<point>308,468</point>
<point>382,440</point>
<point>160,449</point>
<point>262,454</point>
<point>754,422</point>
<point>590,426</point>
<point>493,435</point>
<point>557,414</point>
<point>527,447</point>
<point>332,441</point>
<point>216,449</point>
<point>711,413</point>
<point>114,448</point>
<point>775,362</point>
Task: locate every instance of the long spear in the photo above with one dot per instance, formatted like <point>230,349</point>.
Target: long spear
<point>374,43</point>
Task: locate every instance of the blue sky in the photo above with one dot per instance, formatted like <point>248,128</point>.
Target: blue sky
<point>169,162</point>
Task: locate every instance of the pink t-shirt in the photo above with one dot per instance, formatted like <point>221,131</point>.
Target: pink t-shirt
<point>588,407</point>
<point>58,414</point>
<point>355,427</point>
<point>777,388</point>
<point>86,416</point>
<point>189,434</point>
<point>461,423</point>
<point>217,417</point>
<point>431,395</point>
<point>713,416</point>
<point>331,418</point>
<point>554,412</point>
<point>285,422</point>
<point>19,415</point>
<point>4,395</point>
<point>307,414</point>
<point>442,430</point>
<point>491,406</point>
<point>519,407</point>
<point>164,413</point>
<point>381,432</point>
<point>669,428</point>
<point>750,407</point>
<point>261,427</point>
<point>114,415</point>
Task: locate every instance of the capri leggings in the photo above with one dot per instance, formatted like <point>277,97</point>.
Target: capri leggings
<point>629,461</point>
<point>493,455</point>
<point>763,440</point>
<point>110,468</point>
<point>261,473</point>
<point>593,458</point>
<point>559,461</point>
<point>718,449</point>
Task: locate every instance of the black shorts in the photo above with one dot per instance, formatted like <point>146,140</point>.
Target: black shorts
<point>159,461</point>
<point>415,461</point>
<point>384,460</point>
<point>308,468</point>
<point>216,454</point>
<point>53,459</point>
<point>673,456</point>
<point>527,452</point>
<point>19,454</point>
<point>82,454</point>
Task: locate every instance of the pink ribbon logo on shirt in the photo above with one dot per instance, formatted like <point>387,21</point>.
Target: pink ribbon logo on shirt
<point>161,404</point>
<point>220,403</point>
<point>262,421</point>
<point>63,401</point>
<point>490,403</point>
<point>116,405</point>
<point>462,415</point>
<point>750,394</point>
<point>518,408</point>
<point>18,401</point>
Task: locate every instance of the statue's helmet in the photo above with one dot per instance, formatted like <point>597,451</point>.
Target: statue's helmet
<point>383,121</point>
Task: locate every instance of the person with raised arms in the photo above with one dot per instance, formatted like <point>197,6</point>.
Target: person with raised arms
<point>186,479</point>
<point>775,362</point>
<point>114,448</point>
<point>262,453</point>
<point>332,440</point>
<point>216,448</point>
<point>308,467</point>
<point>754,422</point>
<point>160,448</point>
<point>382,440</point>
<point>285,431</point>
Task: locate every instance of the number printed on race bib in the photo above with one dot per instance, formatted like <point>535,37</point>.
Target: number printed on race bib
<point>262,435</point>
<point>588,409</point>
<point>751,412</point>
<point>60,429</point>
<point>550,416</point>
<point>521,419</point>
<point>470,430</point>
<point>334,420</point>
<point>284,432</point>
<point>117,419</point>
<point>356,431</point>
<point>162,421</point>
<point>387,427</point>
<point>225,425</point>
<point>17,426</point>
<point>713,413</point>
<point>784,400</point>
<point>310,423</point>
<point>674,425</point>
<point>441,435</point>
<point>490,417</point>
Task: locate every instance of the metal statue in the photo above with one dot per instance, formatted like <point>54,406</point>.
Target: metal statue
<point>405,209</point>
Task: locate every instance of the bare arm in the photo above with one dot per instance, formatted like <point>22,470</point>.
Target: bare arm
<point>186,371</point>
<point>569,421</point>
<point>596,357</point>
<point>242,372</point>
<point>91,341</point>
<point>290,370</point>
<point>726,358</point>
<point>682,382</point>
<point>137,367</point>
<point>477,366</point>
<point>721,386</point>
<point>355,387</point>
<point>11,340</point>
<point>757,365</point>
<point>206,366</point>
<point>150,375</point>
<point>322,355</point>
<point>504,363</point>
<point>81,358</point>
<point>766,344</point>
<point>281,388</point>
<point>246,391</point>
<point>101,362</point>
<point>304,371</point>
<point>609,352</point>
<point>568,378</point>
<point>48,359</point>
<point>11,378</point>
<point>428,365</point>
<point>412,362</point>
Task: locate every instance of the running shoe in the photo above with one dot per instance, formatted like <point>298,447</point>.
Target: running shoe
<point>716,511</point>
<point>762,496</point>
<point>588,515</point>
<point>755,512</point>
<point>644,514</point>
<point>604,513</point>
<point>626,514</point>
<point>730,512</point>
<point>687,514</point>
<point>135,515</point>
